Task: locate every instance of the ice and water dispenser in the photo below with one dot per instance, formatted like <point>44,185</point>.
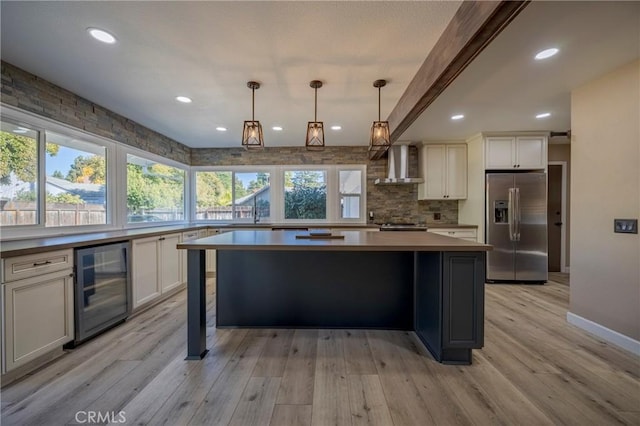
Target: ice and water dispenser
<point>501,211</point>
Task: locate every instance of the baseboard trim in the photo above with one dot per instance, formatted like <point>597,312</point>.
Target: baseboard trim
<point>611,336</point>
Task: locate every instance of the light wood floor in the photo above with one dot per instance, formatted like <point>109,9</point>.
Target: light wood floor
<point>534,369</point>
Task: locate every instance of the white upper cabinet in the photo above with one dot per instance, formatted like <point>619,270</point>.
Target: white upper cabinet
<point>444,168</point>
<point>515,152</point>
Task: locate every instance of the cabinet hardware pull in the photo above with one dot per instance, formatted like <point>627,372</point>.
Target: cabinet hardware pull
<point>161,239</point>
<point>46,262</point>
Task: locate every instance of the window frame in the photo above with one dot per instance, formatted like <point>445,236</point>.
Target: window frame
<point>43,125</point>
<point>122,162</point>
<point>276,181</point>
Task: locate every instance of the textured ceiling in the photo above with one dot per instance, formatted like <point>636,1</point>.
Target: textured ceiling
<point>209,50</point>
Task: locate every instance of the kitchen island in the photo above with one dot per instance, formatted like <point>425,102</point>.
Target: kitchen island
<point>427,283</point>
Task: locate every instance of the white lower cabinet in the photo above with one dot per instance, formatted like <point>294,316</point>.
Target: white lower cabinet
<point>37,316</point>
<point>469,234</point>
<point>156,267</point>
<point>170,265</point>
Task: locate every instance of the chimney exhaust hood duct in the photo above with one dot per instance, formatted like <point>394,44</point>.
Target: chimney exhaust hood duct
<point>398,167</point>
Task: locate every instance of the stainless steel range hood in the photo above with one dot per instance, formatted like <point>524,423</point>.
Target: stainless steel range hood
<point>398,167</point>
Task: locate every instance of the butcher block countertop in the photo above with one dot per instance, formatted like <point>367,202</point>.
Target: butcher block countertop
<point>352,241</point>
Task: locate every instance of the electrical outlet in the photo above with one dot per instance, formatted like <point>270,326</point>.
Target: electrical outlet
<point>625,226</point>
<point>436,216</point>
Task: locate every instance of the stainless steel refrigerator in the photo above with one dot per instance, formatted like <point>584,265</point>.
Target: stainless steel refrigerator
<point>517,227</point>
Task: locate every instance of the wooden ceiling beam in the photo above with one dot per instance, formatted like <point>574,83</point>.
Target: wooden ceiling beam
<point>472,28</point>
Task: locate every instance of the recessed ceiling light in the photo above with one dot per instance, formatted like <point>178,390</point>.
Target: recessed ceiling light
<point>221,129</point>
<point>101,35</point>
<point>183,99</point>
<point>277,128</point>
<point>457,117</point>
<point>336,127</point>
<point>544,115</point>
<point>547,53</point>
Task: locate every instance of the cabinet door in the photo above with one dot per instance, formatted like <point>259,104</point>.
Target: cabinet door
<point>456,157</point>
<point>38,316</point>
<point>170,262</point>
<point>144,262</point>
<point>433,167</point>
<point>531,152</point>
<point>500,153</point>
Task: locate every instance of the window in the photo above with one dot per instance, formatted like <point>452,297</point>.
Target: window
<point>76,176</point>
<point>277,194</point>
<point>18,175</point>
<point>226,195</point>
<point>155,191</point>
<point>252,196</point>
<point>350,182</point>
<point>305,194</point>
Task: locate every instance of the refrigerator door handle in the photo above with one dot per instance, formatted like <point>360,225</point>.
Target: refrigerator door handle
<point>516,215</point>
<point>511,216</point>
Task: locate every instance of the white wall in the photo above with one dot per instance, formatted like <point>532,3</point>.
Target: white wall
<point>605,184</point>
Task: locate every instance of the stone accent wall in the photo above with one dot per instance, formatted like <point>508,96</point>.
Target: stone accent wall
<point>34,94</point>
<point>389,203</point>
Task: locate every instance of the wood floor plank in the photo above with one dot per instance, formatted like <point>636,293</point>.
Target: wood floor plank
<point>84,395</point>
<point>296,386</point>
<point>423,371</point>
<point>188,396</point>
<point>517,408</point>
<point>534,368</point>
<point>274,356</point>
<point>257,402</point>
<point>220,402</point>
<point>357,353</point>
<point>142,408</point>
<point>291,415</point>
<point>368,405</point>
<point>403,398</point>
<point>331,390</point>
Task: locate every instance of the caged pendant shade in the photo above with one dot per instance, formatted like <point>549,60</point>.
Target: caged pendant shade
<point>380,140</point>
<point>252,137</point>
<point>315,128</point>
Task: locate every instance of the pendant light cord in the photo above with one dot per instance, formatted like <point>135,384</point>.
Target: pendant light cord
<point>315,111</point>
<point>253,104</point>
<point>378,103</point>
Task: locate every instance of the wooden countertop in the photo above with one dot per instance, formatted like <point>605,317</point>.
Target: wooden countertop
<point>353,241</point>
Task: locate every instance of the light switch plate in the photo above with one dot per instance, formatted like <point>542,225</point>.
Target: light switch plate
<point>625,226</point>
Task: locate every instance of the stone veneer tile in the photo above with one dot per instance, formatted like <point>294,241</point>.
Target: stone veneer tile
<point>31,93</point>
<point>390,203</point>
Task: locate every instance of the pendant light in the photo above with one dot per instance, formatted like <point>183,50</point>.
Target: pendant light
<point>252,133</point>
<point>315,128</point>
<point>380,139</point>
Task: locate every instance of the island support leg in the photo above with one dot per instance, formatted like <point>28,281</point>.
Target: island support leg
<point>196,305</point>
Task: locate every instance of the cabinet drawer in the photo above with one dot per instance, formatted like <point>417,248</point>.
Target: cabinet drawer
<point>191,235</point>
<point>17,268</point>
<point>465,234</point>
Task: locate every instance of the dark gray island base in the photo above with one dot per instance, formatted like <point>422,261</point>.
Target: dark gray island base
<point>430,284</point>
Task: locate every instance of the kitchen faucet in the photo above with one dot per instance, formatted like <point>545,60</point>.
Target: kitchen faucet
<point>256,215</point>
